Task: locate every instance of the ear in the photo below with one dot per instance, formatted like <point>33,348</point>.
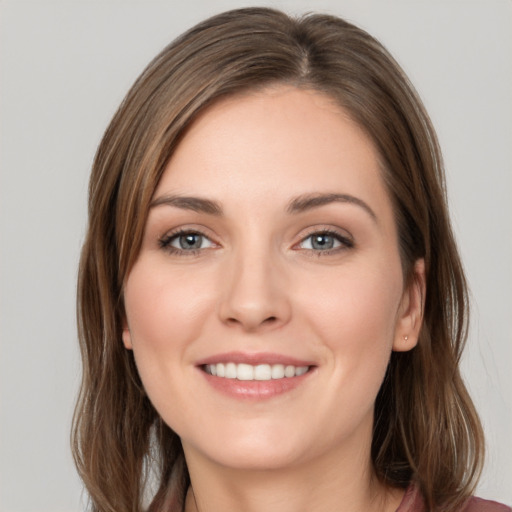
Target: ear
<point>410,313</point>
<point>127,336</point>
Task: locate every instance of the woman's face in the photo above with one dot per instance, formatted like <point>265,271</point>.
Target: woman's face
<point>268,293</point>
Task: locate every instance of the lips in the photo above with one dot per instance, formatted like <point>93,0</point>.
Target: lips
<point>257,376</point>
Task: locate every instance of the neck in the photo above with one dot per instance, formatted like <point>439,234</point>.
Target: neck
<point>332,484</point>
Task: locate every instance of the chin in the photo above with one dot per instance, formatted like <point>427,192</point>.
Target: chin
<point>250,451</point>
<point>256,459</point>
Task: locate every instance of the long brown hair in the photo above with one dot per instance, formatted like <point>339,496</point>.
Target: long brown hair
<point>426,429</point>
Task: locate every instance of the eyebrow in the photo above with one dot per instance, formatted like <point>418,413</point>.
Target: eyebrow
<point>297,205</point>
<point>310,201</point>
<point>195,204</point>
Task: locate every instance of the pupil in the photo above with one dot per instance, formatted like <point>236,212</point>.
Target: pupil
<point>190,241</point>
<point>323,242</point>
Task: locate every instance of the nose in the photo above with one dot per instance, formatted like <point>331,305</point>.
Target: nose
<point>255,296</point>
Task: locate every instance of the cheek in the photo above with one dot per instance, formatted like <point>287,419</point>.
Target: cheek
<point>165,314</point>
<point>164,309</point>
<point>372,294</point>
<point>354,313</point>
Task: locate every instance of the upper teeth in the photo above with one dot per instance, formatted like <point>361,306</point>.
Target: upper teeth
<point>243,371</point>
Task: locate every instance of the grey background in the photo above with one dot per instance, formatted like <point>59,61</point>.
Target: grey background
<point>66,65</point>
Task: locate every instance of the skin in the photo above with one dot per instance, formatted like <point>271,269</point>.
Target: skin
<point>257,284</point>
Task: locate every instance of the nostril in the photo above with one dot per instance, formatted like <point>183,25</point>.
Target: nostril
<point>266,321</point>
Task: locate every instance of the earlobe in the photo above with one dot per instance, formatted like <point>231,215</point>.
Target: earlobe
<point>127,338</point>
<point>410,318</point>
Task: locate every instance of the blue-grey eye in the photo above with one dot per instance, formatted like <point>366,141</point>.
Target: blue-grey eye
<point>190,241</point>
<point>321,242</point>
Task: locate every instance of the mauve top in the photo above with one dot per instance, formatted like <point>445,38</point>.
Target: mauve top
<point>413,502</point>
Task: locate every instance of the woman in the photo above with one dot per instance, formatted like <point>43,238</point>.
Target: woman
<point>271,304</point>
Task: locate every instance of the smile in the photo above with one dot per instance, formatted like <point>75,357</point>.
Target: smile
<point>260,372</point>
<point>255,376</point>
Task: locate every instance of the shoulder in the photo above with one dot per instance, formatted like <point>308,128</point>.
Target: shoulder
<point>481,505</point>
<point>413,502</point>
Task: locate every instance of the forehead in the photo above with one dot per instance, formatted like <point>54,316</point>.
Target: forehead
<point>278,140</point>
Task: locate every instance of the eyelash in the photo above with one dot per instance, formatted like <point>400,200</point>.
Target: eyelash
<point>344,241</point>
<point>166,241</point>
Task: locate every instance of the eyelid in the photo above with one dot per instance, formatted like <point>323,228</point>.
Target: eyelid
<point>165,240</point>
<point>342,236</point>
